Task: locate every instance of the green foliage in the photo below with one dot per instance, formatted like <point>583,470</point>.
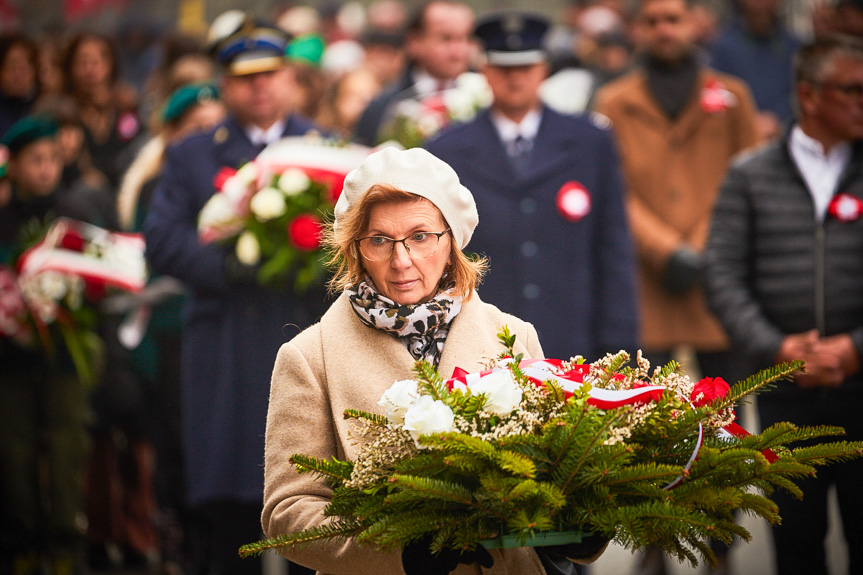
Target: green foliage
<point>576,472</point>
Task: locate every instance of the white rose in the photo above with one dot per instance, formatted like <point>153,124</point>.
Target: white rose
<point>217,210</point>
<point>234,189</point>
<point>52,285</point>
<point>248,174</point>
<point>430,124</point>
<point>398,398</point>
<point>502,393</point>
<point>477,87</point>
<point>428,415</point>
<point>267,204</point>
<point>293,181</point>
<point>248,249</point>
<point>460,104</point>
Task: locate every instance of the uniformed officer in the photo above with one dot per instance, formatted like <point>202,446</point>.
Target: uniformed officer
<point>549,192</point>
<point>232,327</point>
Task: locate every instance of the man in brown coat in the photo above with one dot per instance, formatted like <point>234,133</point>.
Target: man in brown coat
<point>677,125</point>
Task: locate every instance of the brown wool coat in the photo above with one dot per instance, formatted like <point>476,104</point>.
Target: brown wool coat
<point>673,171</point>
<point>341,363</point>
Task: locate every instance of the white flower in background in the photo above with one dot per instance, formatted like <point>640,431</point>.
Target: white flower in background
<point>51,285</point>
<point>267,204</point>
<point>409,108</point>
<point>429,124</point>
<point>235,189</point>
<point>248,249</point>
<point>398,398</point>
<point>428,415</point>
<point>459,104</point>
<point>293,181</point>
<point>217,210</point>
<point>471,93</point>
<point>247,174</point>
<point>503,394</point>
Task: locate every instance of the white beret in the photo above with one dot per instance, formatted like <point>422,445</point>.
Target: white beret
<point>418,172</point>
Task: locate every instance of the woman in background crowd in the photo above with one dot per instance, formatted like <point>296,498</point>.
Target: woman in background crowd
<point>19,83</point>
<point>108,109</point>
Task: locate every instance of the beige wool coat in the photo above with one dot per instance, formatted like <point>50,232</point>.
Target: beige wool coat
<point>673,170</point>
<point>341,363</point>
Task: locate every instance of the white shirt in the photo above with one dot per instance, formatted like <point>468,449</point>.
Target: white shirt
<point>820,171</point>
<point>263,137</point>
<point>509,130</point>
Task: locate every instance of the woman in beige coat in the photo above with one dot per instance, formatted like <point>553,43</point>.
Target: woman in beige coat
<point>403,300</point>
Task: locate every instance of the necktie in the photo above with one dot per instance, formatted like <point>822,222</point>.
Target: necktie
<point>519,150</point>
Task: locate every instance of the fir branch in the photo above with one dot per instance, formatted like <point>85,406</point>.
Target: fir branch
<point>342,529</point>
<point>334,469</point>
<point>430,380</point>
<point>426,486</point>
<point>373,418</point>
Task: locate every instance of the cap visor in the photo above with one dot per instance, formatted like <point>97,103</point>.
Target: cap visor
<point>498,58</point>
<point>256,65</point>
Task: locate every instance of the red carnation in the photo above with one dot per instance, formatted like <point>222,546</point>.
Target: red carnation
<point>222,176</point>
<point>305,232</point>
<point>708,389</point>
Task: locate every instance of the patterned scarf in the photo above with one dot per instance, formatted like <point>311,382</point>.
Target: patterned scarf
<point>422,327</point>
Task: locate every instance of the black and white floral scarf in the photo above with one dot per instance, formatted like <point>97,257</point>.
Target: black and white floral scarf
<point>422,327</point>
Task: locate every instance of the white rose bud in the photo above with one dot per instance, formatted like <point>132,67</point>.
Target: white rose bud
<point>398,398</point>
<point>234,189</point>
<point>248,249</point>
<point>267,204</point>
<point>503,394</point>
<point>294,181</point>
<point>427,415</point>
<point>459,104</point>
<point>248,174</point>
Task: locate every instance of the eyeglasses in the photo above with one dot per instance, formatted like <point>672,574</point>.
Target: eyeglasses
<point>851,89</point>
<point>418,245</point>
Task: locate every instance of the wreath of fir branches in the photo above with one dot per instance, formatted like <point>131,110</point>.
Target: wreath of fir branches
<point>565,465</point>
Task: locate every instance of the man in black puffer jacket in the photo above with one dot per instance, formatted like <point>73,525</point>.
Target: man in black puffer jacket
<point>785,276</point>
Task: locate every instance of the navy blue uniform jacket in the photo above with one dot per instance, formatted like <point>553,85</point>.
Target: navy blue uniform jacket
<point>231,334</point>
<point>574,281</point>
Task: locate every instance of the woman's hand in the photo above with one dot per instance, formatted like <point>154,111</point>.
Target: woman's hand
<point>417,558</point>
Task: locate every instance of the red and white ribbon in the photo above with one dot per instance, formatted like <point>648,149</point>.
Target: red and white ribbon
<point>64,250</point>
<point>540,371</point>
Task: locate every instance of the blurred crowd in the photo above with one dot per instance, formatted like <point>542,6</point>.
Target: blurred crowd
<point>88,124</point>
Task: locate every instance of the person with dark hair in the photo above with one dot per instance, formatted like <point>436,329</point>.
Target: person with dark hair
<point>19,82</point>
<point>784,276</point>
<point>232,325</point>
<point>107,108</point>
<point>438,45</point>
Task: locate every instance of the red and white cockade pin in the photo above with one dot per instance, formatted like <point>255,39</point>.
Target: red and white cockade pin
<point>845,207</point>
<point>715,98</point>
<point>573,201</point>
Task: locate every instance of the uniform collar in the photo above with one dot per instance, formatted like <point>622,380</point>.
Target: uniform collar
<point>509,130</point>
<point>261,137</point>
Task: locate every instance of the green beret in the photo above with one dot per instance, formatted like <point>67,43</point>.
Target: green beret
<point>185,97</point>
<point>26,131</point>
<point>308,49</point>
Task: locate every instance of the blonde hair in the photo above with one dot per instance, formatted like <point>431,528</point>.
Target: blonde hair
<point>460,278</point>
